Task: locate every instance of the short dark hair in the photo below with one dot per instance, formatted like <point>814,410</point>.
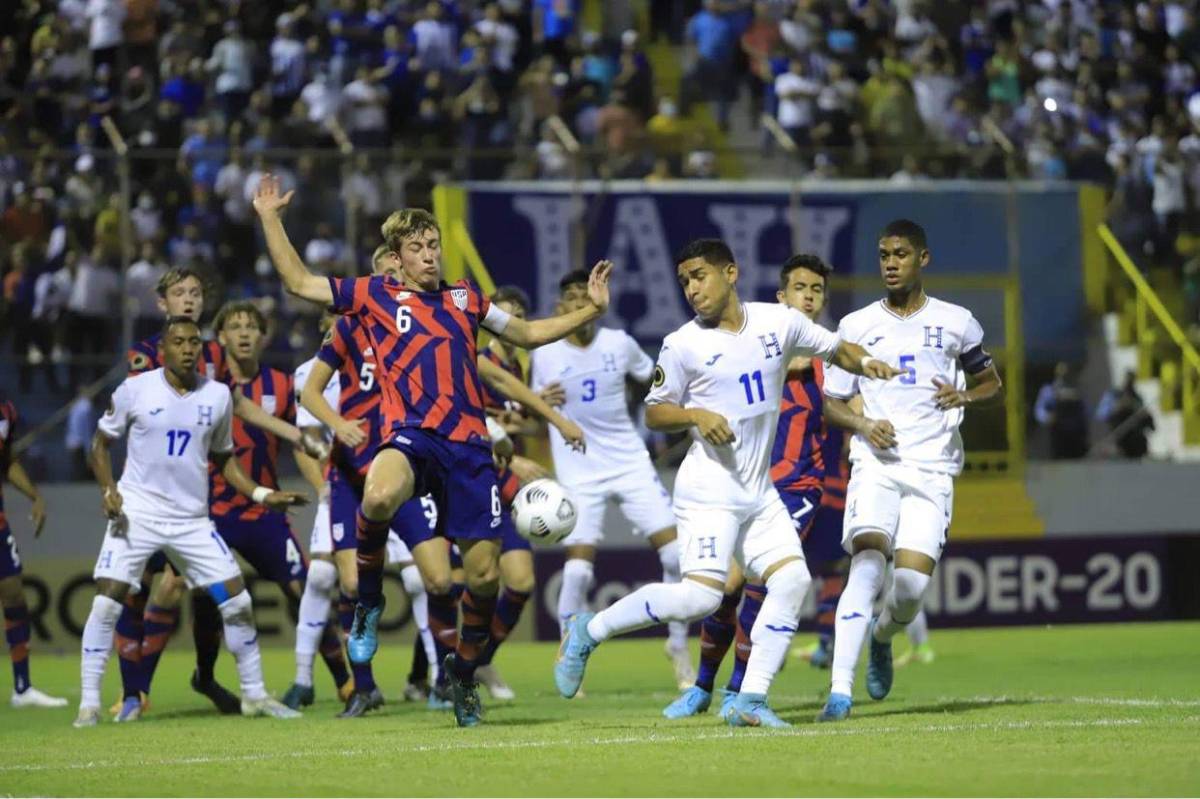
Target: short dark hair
<point>714,251</point>
<point>906,229</point>
<point>576,277</point>
<point>803,261</point>
<point>172,321</point>
<point>513,294</point>
<point>235,307</point>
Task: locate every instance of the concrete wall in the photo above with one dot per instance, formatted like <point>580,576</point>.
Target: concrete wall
<point>1116,497</point>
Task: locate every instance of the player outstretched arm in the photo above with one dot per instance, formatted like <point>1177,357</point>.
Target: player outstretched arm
<point>18,477</point>
<point>847,414</point>
<point>665,417</point>
<point>101,462</point>
<point>988,390</point>
<point>268,202</point>
<point>348,432</point>
<point>310,467</point>
<point>530,333</point>
<point>856,360</point>
<point>508,385</point>
<point>231,470</point>
<point>250,412</point>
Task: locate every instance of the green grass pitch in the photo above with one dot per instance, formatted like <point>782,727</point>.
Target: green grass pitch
<point>1090,710</point>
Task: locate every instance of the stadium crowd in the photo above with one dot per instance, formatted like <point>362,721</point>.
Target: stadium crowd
<point>366,103</point>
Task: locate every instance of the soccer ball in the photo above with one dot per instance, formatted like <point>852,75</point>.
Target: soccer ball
<point>543,511</point>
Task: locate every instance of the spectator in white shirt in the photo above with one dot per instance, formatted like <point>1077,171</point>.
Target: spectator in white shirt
<point>287,66</point>
<point>141,291</point>
<point>366,110</point>
<point>502,37</point>
<point>796,92</point>
<point>105,32</point>
<point>434,37</point>
<point>323,99</point>
<point>232,60</point>
<point>91,317</point>
<point>147,218</point>
<point>362,190</point>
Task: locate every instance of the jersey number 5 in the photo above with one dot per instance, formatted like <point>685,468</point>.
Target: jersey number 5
<point>366,377</point>
<point>909,378</point>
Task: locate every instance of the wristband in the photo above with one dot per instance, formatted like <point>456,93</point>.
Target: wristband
<point>260,494</point>
<point>496,431</point>
<point>865,360</point>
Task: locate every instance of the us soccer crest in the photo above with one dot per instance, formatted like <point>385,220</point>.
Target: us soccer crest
<point>460,297</point>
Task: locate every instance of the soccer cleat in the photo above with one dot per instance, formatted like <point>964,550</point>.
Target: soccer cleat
<point>88,717</point>
<point>120,703</point>
<point>922,655</point>
<point>497,687</point>
<point>299,695</point>
<point>346,690</point>
<point>226,702</point>
<point>879,665</point>
<point>750,710</point>
<point>468,710</point>
<point>269,707</point>
<point>32,697</point>
<point>837,708</point>
<point>361,703</point>
<point>416,692</point>
<point>573,655</point>
<point>822,655</point>
<point>692,702</point>
<point>681,660</point>
<point>439,698</point>
<point>131,710</point>
<point>727,699</point>
<point>363,642</point>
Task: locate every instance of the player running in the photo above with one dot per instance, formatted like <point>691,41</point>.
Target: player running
<point>719,377</point>
<point>588,372</point>
<point>905,453</point>
<point>798,471</point>
<point>12,591</point>
<point>176,421</point>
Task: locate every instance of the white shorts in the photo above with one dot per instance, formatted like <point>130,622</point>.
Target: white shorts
<point>709,538</point>
<point>643,500</point>
<point>397,550</point>
<point>321,540</point>
<point>194,546</point>
<point>911,506</point>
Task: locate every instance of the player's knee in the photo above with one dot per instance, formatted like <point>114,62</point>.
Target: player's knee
<point>379,501</point>
<point>169,590</point>
<point>579,571</point>
<point>871,539</point>
<point>701,599</point>
<point>237,609</point>
<point>11,592</point>
<point>322,576</point>
<point>522,582</point>
<point>410,576</point>
<point>668,556</point>
<point>908,589</point>
<point>789,584</point>
<point>105,609</point>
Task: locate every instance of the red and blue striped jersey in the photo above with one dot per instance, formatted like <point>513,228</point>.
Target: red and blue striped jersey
<point>425,345</point>
<point>349,352</point>
<point>146,355</point>
<point>837,468</point>
<point>796,460</point>
<point>255,448</point>
<point>492,399</point>
<point>8,436</point>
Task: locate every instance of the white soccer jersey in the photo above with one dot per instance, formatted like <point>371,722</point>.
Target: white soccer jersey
<point>740,376</point>
<point>928,344</point>
<point>594,380</point>
<point>332,393</point>
<point>170,438</point>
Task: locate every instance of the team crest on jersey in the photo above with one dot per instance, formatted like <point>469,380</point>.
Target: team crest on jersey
<point>339,531</point>
<point>660,376</point>
<point>460,297</point>
<point>268,404</point>
<point>139,361</point>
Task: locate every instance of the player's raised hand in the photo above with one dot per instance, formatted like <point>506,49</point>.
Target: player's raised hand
<point>878,370</point>
<point>947,396</point>
<point>267,196</point>
<point>37,515</point>
<point>554,394</point>
<point>350,432</point>
<point>573,435</point>
<point>598,284</point>
<point>282,500</point>
<point>713,427</point>
<point>879,432</point>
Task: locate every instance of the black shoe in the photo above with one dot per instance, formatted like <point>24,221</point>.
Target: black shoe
<point>468,710</point>
<point>362,702</point>
<point>227,704</point>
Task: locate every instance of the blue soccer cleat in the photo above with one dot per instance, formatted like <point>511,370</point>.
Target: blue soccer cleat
<point>879,665</point>
<point>837,708</point>
<point>439,698</point>
<point>692,702</point>
<point>131,709</point>
<point>750,710</point>
<point>727,699</point>
<point>822,655</point>
<point>468,710</point>
<point>363,642</point>
<point>299,695</point>
<point>573,655</point>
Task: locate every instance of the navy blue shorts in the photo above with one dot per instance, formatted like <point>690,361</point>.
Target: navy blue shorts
<point>805,507</point>
<point>10,559</point>
<point>415,522</point>
<point>823,544</point>
<point>510,539</point>
<point>268,545</point>
<point>460,476</point>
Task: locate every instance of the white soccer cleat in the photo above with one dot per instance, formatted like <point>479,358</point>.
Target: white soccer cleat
<point>89,716</point>
<point>32,697</point>
<point>269,707</point>
<point>685,673</point>
<point>495,684</point>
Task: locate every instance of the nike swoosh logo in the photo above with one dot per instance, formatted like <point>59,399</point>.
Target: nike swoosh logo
<point>156,411</point>
<point>874,341</point>
<point>854,615</point>
<point>713,359</point>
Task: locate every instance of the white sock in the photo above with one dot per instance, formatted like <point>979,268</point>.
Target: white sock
<point>668,555</point>
<point>577,576</point>
<point>652,604</point>
<point>776,624</point>
<point>97,646</point>
<point>242,639</point>
<point>414,586</point>
<point>853,616</point>
<point>918,630</point>
<point>904,603</point>
<point>313,616</point>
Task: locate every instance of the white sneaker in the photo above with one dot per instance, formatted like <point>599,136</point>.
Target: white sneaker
<point>681,659</point>
<point>497,687</point>
<point>270,707</point>
<point>32,697</point>
<point>89,716</point>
